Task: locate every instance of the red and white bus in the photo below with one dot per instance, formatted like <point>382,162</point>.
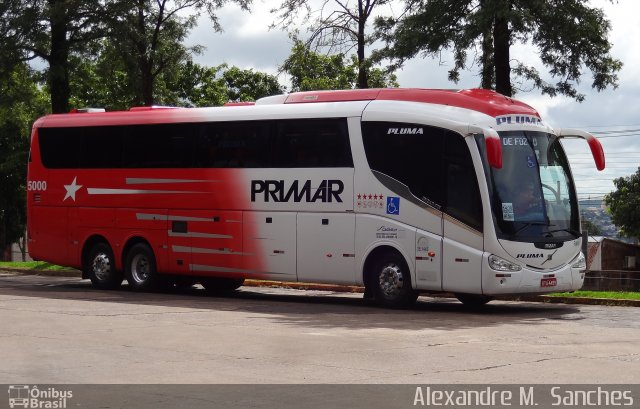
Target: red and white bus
<point>400,190</point>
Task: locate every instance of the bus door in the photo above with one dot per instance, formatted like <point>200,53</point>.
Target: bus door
<point>462,220</point>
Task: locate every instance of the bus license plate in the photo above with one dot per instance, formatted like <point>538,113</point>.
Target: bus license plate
<point>548,282</point>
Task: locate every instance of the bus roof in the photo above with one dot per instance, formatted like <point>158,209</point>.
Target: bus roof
<point>481,100</point>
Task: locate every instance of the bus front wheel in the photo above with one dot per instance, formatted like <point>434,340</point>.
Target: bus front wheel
<point>100,267</point>
<point>140,268</point>
<point>391,281</point>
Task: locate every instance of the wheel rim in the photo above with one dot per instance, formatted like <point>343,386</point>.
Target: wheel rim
<point>101,266</point>
<point>391,280</point>
<point>140,268</point>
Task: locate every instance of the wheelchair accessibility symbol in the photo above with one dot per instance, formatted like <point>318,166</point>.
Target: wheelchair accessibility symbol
<point>393,205</point>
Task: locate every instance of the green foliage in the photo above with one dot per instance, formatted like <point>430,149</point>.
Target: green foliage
<point>313,71</point>
<point>249,85</point>
<point>337,27</point>
<point>569,36</point>
<point>21,102</point>
<point>52,30</point>
<point>104,83</point>
<point>591,228</point>
<point>32,266</point>
<point>101,81</point>
<point>200,86</point>
<point>624,205</point>
<point>146,42</point>
<point>204,86</point>
<point>614,295</point>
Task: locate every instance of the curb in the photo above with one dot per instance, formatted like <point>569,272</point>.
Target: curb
<point>356,289</point>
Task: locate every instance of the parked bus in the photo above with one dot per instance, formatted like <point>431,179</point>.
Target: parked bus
<point>401,191</point>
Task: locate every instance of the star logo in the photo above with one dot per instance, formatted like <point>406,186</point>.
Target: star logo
<point>72,189</point>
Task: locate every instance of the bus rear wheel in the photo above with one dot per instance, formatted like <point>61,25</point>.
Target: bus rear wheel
<point>140,268</point>
<point>218,285</point>
<point>473,300</point>
<point>390,280</point>
<point>100,267</point>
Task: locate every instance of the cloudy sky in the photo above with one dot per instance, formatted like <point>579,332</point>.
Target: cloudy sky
<point>612,115</point>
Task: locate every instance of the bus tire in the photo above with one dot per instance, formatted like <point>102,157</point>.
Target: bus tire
<point>391,281</point>
<point>221,286</point>
<point>140,268</point>
<point>100,267</point>
<point>473,300</point>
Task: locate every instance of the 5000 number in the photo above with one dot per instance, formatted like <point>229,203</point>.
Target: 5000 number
<point>37,185</point>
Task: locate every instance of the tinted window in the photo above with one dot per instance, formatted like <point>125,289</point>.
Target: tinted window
<point>463,195</point>
<point>101,147</point>
<point>251,144</point>
<point>434,163</point>
<point>159,146</point>
<point>235,145</point>
<point>312,143</point>
<point>60,147</point>
<point>409,153</point>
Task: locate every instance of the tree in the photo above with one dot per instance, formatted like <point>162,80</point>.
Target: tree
<point>52,30</point>
<point>341,28</point>
<point>249,85</point>
<point>591,228</point>
<point>21,102</point>
<point>624,205</point>
<point>101,80</point>
<point>149,36</point>
<point>569,36</point>
<point>205,86</point>
<point>312,71</point>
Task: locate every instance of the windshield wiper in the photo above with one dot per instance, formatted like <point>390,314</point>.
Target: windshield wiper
<point>529,224</point>
<point>570,231</point>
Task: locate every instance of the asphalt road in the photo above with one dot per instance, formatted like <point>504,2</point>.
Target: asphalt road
<point>60,330</point>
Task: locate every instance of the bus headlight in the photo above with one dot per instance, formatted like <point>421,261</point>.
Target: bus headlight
<point>500,264</point>
<point>579,262</point>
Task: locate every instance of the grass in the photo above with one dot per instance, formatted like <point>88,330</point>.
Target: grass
<point>614,295</point>
<point>32,265</point>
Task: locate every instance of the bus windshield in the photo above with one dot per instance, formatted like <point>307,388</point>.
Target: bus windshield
<point>533,194</point>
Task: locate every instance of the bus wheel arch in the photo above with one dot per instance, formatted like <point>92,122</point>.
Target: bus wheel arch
<point>99,263</point>
<point>140,264</point>
<point>387,278</point>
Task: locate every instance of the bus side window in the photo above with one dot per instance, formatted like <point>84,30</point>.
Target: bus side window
<point>234,145</point>
<point>462,192</point>
<point>158,146</point>
<point>312,143</point>
<point>60,147</point>
<point>409,153</point>
<point>101,147</point>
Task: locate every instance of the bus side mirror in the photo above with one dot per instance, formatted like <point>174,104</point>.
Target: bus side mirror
<point>493,145</point>
<point>594,144</point>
